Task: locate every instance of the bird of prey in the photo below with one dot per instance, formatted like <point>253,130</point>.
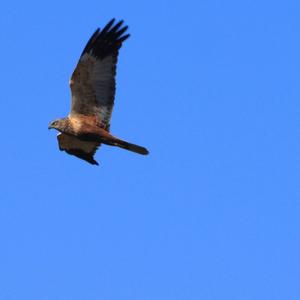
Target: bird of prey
<point>93,91</point>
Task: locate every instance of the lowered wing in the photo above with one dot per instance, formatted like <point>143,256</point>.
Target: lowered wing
<point>74,146</point>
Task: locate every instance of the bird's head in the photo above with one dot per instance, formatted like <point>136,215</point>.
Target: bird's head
<point>59,124</point>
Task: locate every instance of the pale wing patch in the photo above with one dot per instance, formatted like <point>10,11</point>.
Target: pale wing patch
<point>93,87</point>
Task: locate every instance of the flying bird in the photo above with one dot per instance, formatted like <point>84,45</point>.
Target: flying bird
<point>93,92</point>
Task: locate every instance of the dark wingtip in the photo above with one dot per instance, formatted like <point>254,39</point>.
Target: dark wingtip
<point>82,155</point>
<point>108,40</point>
<point>108,26</point>
<point>123,38</point>
<point>118,25</point>
<point>92,161</point>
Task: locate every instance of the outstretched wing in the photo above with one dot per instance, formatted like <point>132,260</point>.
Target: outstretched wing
<point>93,81</point>
<point>82,149</point>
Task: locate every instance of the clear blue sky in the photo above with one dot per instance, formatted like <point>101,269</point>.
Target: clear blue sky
<point>212,89</point>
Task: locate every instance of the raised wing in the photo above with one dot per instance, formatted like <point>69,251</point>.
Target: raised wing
<point>82,149</point>
<point>93,81</point>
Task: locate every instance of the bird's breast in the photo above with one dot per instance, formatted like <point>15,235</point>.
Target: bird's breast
<point>82,124</point>
<point>76,124</point>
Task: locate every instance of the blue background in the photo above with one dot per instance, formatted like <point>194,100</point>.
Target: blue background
<point>212,89</point>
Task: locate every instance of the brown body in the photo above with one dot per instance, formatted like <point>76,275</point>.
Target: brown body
<point>88,129</point>
<point>93,91</point>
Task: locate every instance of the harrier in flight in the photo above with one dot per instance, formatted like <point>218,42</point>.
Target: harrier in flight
<point>93,92</point>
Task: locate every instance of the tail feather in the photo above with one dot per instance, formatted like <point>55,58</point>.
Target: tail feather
<point>109,139</point>
<point>113,141</point>
<point>131,147</point>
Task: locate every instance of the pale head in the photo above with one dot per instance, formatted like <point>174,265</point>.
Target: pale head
<point>59,124</point>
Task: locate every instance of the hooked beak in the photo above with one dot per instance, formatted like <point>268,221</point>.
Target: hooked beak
<point>50,126</point>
